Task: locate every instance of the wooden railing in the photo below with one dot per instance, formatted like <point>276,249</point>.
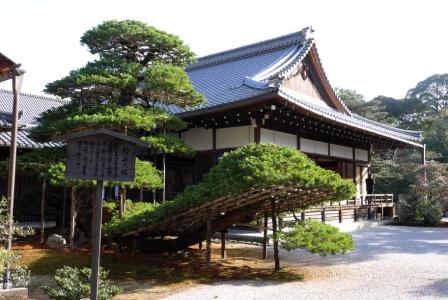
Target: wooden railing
<point>363,207</point>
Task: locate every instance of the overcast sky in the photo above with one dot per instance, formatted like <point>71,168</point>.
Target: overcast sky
<point>375,47</point>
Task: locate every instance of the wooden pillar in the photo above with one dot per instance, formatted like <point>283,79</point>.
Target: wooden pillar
<point>257,134</point>
<point>274,233</point>
<point>223,244</point>
<point>215,156</point>
<point>323,215</point>
<point>356,214</point>
<point>134,247</point>
<point>302,216</point>
<point>265,236</point>
<point>64,208</point>
<point>340,214</point>
<point>72,218</point>
<point>42,213</point>
<point>208,247</point>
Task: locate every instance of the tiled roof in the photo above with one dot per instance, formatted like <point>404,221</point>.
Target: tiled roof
<point>353,120</point>
<point>31,105</point>
<point>247,72</point>
<point>23,140</point>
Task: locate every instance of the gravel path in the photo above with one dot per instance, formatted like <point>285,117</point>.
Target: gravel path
<point>390,262</point>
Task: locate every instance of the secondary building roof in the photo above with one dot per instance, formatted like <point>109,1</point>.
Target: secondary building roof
<point>30,107</point>
<point>253,71</point>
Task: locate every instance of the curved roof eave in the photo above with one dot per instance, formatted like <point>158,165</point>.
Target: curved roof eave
<point>413,141</point>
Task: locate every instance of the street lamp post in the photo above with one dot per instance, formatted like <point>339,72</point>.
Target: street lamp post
<point>17,77</point>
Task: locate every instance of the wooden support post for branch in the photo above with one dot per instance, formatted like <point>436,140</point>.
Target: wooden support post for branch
<point>356,214</point>
<point>122,203</point>
<point>274,234</point>
<point>302,216</point>
<point>323,215</point>
<point>265,236</point>
<point>64,208</point>
<point>208,248</point>
<point>340,214</point>
<point>72,218</point>
<point>223,244</point>
<point>42,213</point>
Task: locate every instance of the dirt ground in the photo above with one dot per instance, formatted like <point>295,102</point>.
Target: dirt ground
<point>156,276</point>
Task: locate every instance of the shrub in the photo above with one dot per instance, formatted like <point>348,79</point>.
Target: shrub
<point>420,210</point>
<point>317,237</point>
<point>74,284</point>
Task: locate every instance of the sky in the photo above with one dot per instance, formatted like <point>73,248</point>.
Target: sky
<point>375,47</point>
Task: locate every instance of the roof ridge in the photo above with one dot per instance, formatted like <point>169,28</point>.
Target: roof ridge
<point>268,45</point>
<point>45,97</point>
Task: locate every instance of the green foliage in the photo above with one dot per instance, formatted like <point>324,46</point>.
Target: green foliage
<point>253,165</point>
<point>418,210</point>
<point>431,92</point>
<point>111,116</point>
<point>74,284</point>
<point>436,135</point>
<point>136,41</point>
<point>34,162</point>
<point>19,231</point>
<point>317,237</point>
<point>20,275</point>
<point>137,63</point>
<point>430,195</point>
<point>146,176</point>
<point>170,83</point>
<point>131,214</point>
<point>169,143</point>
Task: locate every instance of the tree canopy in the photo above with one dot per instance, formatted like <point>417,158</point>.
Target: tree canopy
<point>137,63</point>
<point>138,72</point>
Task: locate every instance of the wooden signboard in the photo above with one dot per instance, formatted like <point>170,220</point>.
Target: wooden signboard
<point>100,158</point>
<point>100,154</point>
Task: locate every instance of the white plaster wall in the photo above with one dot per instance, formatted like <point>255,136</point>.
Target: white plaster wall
<point>341,151</point>
<point>361,154</point>
<point>312,146</point>
<point>307,145</point>
<point>199,138</point>
<point>233,137</point>
<point>321,148</point>
<point>285,139</point>
<point>277,137</point>
<point>266,135</point>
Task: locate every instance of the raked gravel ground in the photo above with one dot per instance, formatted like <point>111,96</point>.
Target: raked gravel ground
<point>390,262</point>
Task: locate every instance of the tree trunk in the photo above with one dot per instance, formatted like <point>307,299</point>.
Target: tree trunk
<point>71,242</point>
<point>164,178</point>
<point>42,213</point>
<point>154,195</point>
<point>64,208</point>
<point>274,235</point>
<point>208,245</point>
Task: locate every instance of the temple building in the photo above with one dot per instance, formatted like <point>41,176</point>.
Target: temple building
<point>276,91</point>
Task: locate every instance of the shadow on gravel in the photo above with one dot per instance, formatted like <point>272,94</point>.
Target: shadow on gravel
<point>373,242</point>
<point>438,288</point>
